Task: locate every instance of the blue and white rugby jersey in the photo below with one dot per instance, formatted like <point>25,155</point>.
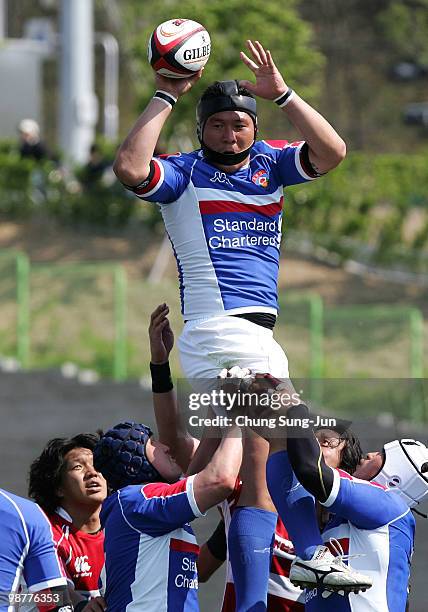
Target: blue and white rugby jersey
<point>375,523</point>
<point>27,548</point>
<point>150,549</point>
<point>225,229</point>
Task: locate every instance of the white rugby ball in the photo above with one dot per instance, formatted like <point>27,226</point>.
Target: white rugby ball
<point>178,48</point>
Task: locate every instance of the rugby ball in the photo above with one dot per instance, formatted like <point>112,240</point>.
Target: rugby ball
<point>178,48</point>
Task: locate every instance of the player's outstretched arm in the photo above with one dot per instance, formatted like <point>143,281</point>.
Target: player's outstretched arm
<point>132,163</point>
<point>326,147</point>
<point>170,427</point>
<point>217,480</point>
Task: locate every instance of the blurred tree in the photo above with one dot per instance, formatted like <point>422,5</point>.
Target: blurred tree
<point>279,27</point>
<point>362,40</point>
<point>405,26</point>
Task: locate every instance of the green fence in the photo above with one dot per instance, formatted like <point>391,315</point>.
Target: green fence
<point>93,315</point>
<point>67,312</point>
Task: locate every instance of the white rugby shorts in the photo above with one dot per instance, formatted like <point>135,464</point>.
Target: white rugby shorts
<point>210,344</point>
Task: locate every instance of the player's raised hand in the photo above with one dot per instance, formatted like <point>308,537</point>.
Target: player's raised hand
<point>177,87</point>
<point>160,334</point>
<point>269,81</point>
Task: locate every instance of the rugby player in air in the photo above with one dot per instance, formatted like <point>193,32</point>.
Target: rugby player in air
<point>193,456</point>
<point>222,208</point>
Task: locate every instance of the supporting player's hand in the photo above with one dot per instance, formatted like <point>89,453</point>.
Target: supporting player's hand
<point>177,87</point>
<point>269,81</point>
<point>97,604</point>
<point>160,334</point>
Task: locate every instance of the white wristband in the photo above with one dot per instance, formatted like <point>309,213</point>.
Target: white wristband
<point>285,98</point>
<point>166,97</point>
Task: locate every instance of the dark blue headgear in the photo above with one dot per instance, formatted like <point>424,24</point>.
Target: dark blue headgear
<point>120,456</point>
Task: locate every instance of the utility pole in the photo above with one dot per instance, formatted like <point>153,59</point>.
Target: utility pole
<point>78,103</point>
<point>3,19</point>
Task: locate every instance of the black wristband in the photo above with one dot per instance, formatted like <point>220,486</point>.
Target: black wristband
<point>79,606</point>
<point>284,98</point>
<point>161,377</point>
<point>165,97</point>
<point>217,544</point>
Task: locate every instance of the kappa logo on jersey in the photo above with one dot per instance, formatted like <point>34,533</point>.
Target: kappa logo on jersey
<point>220,177</point>
<point>82,566</point>
<point>260,178</point>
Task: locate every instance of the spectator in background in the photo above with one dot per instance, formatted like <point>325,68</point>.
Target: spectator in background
<point>65,484</point>
<point>93,172</point>
<point>30,145</point>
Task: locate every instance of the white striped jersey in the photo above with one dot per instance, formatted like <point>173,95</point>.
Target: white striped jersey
<point>150,548</point>
<point>376,524</point>
<point>27,548</point>
<point>225,228</point>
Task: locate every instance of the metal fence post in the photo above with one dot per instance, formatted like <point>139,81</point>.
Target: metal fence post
<point>316,310</point>
<point>417,401</point>
<point>23,308</point>
<point>416,343</point>
<point>120,327</point>
<point>316,337</point>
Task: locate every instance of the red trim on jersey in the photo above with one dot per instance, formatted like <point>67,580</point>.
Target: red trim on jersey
<point>307,167</point>
<point>274,603</point>
<point>277,604</point>
<point>344,542</point>
<point>280,566</point>
<point>166,155</point>
<point>344,474</point>
<point>183,546</point>
<point>277,144</point>
<point>163,489</point>
<point>145,188</point>
<point>377,484</point>
<point>281,530</point>
<point>47,607</point>
<point>229,600</point>
<point>218,206</point>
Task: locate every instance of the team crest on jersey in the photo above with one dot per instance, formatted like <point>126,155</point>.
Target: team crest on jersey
<point>82,566</point>
<point>220,177</point>
<point>260,178</point>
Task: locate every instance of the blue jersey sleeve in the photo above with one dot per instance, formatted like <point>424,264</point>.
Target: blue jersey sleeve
<point>159,508</point>
<point>365,504</point>
<point>168,178</point>
<point>42,568</point>
<point>292,163</point>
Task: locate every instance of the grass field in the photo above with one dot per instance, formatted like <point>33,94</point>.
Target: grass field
<point>72,318</point>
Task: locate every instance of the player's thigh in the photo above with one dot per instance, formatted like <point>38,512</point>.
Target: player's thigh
<point>222,342</point>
